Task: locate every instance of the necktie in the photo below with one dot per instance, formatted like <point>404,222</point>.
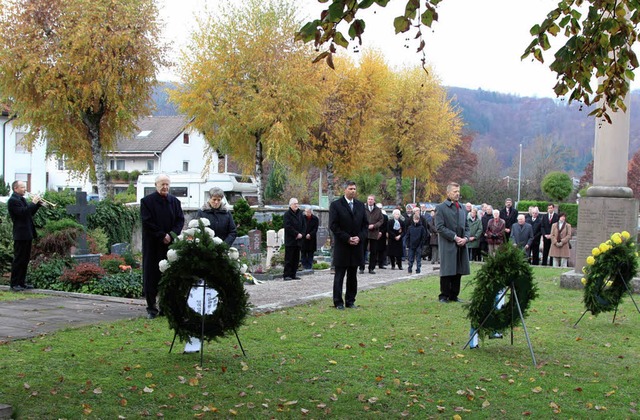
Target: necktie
<point>457,205</point>
<point>351,205</point>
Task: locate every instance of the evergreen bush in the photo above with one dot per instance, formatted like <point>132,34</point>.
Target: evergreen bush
<point>243,217</point>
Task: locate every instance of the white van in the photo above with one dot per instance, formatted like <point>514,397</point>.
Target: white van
<point>193,190</point>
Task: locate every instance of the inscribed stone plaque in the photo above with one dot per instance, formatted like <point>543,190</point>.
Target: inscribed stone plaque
<point>120,249</point>
<point>323,235</point>
<point>598,218</point>
<point>255,239</point>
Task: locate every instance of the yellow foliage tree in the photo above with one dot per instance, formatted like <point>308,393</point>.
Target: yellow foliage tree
<point>79,73</point>
<point>418,127</point>
<point>248,86</point>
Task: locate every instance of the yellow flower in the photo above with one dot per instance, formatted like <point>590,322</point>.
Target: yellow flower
<point>625,234</point>
<point>603,247</point>
<point>590,260</point>
<point>616,238</point>
<point>595,252</point>
<point>584,270</point>
<point>608,242</point>
<point>583,281</point>
<point>609,283</point>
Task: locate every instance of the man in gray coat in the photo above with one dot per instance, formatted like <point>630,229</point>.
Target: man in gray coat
<point>453,236</point>
<point>522,234</point>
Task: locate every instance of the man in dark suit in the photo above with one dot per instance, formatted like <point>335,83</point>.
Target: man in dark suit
<point>453,236</point>
<point>348,222</point>
<point>293,229</point>
<point>24,232</point>
<point>161,214</point>
<point>310,238</point>
<point>547,222</point>
<point>510,217</point>
<point>522,234</point>
<point>536,225</point>
<point>375,219</point>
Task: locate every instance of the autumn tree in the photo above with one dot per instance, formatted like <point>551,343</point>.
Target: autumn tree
<point>248,86</point>
<point>633,174</point>
<point>418,129</point>
<point>487,177</point>
<point>598,43</point>
<point>459,169</point>
<point>351,96</point>
<point>79,73</point>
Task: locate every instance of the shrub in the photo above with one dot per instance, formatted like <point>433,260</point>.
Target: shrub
<point>124,284</point>
<point>82,273</point>
<point>53,226</point>
<point>6,240</point>
<point>98,241</point>
<point>44,273</point>
<point>523,205</point>
<point>243,217</point>
<point>571,210</point>
<point>111,263</point>
<point>321,266</point>
<point>56,243</point>
<point>116,219</point>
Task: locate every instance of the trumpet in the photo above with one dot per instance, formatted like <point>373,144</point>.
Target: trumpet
<point>44,202</point>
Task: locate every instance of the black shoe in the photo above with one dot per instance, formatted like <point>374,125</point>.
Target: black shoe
<point>297,278</point>
<point>17,288</point>
<point>399,267</point>
<point>352,306</point>
<point>372,272</point>
<point>340,307</point>
<point>443,300</point>
<point>457,300</point>
<point>287,278</point>
<point>152,315</point>
<point>393,267</point>
<point>417,271</point>
<point>474,348</point>
<point>382,268</point>
<point>360,271</point>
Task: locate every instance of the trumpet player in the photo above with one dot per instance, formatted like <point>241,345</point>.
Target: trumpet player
<point>24,232</point>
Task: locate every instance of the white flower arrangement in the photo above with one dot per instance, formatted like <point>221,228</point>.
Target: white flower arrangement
<point>163,265</point>
<point>234,254</point>
<point>172,255</point>
<point>195,223</point>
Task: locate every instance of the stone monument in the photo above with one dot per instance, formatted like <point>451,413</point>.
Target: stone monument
<point>81,210</point>
<point>609,205</point>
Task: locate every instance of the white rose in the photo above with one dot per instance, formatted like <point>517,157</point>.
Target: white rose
<point>180,237</point>
<point>163,265</point>
<point>194,223</point>
<point>210,232</point>
<point>233,253</point>
<point>205,221</point>
<point>190,232</point>
<point>217,240</point>
<point>172,255</point>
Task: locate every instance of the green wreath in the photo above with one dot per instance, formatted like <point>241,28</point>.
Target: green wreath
<point>609,271</point>
<point>196,254</point>
<point>508,264</point>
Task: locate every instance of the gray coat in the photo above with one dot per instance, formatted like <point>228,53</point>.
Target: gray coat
<point>522,235</point>
<point>452,222</point>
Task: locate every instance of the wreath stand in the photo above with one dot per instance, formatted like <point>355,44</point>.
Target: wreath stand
<point>628,290</point>
<point>202,323</point>
<point>514,294</point>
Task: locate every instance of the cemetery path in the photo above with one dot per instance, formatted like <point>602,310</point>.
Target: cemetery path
<point>31,317</point>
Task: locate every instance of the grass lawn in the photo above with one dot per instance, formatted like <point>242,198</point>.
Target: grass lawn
<point>9,295</point>
<point>398,355</point>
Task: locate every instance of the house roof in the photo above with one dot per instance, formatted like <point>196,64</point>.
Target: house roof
<point>154,134</point>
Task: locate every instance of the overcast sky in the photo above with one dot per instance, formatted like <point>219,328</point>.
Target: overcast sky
<point>475,44</point>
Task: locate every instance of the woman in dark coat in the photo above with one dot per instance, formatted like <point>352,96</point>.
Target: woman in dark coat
<point>221,220</point>
<point>309,238</point>
<point>395,236</point>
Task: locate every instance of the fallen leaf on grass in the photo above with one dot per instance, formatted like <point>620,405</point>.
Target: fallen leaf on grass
<point>148,390</point>
<point>486,404</point>
<point>536,390</point>
<point>193,382</point>
<point>97,391</point>
<point>610,393</point>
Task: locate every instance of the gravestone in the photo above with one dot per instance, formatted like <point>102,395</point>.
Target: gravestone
<point>255,241</point>
<point>322,236</point>
<point>120,249</point>
<point>81,210</point>
<point>274,241</point>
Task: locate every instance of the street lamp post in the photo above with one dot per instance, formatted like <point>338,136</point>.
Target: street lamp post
<point>519,172</point>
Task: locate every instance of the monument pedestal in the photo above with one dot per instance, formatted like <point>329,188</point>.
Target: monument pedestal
<point>598,218</point>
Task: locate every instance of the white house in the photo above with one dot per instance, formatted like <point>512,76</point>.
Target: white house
<point>18,161</point>
<point>161,144</point>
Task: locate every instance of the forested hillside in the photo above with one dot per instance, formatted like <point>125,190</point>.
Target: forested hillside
<point>504,121</point>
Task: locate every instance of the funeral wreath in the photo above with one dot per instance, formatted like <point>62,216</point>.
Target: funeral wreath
<point>198,257</point>
<point>508,265</point>
<point>608,272</point>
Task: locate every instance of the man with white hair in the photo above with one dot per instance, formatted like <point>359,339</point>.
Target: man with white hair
<point>522,234</point>
<point>161,214</point>
<point>293,232</point>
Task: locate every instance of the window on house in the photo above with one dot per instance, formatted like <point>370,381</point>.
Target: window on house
<point>21,145</point>
<point>185,138</point>
<point>26,178</point>
<point>185,166</point>
<point>116,165</point>
<point>60,164</point>
<point>150,164</point>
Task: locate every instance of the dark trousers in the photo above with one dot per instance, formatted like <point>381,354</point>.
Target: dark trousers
<point>352,285</point>
<point>291,261</point>
<point>306,257</point>
<point>450,287</point>
<point>381,254</point>
<point>372,246</point>
<point>546,247</point>
<point>151,293</point>
<point>21,255</point>
<point>535,252</point>
<point>395,260</point>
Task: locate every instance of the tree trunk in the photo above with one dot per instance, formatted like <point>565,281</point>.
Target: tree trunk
<point>92,122</point>
<point>259,161</point>
<point>397,172</point>
<point>330,181</point>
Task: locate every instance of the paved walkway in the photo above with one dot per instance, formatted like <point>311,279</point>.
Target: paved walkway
<point>32,317</point>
